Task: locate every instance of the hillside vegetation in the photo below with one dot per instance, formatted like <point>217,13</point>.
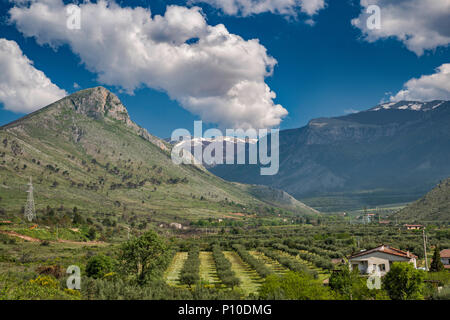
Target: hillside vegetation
<point>433,207</point>
<point>85,155</point>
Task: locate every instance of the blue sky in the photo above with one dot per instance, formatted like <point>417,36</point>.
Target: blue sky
<point>322,70</point>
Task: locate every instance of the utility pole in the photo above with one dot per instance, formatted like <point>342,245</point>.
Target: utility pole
<point>425,248</point>
<point>30,211</point>
<point>128,232</point>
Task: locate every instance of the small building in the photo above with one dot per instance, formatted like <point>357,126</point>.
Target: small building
<point>413,226</point>
<point>369,217</point>
<point>176,225</point>
<point>445,258</point>
<point>379,259</point>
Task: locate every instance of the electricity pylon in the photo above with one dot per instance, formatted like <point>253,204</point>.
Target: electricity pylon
<point>30,211</point>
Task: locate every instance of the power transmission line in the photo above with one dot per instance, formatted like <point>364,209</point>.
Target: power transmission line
<point>30,210</point>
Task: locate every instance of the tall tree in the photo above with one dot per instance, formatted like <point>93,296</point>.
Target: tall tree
<point>143,257</point>
<point>404,282</point>
<point>436,263</point>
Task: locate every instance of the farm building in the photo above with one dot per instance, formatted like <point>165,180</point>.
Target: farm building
<point>445,258</point>
<point>379,259</point>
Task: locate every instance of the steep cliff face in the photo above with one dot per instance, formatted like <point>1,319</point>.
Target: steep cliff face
<point>97,103</point>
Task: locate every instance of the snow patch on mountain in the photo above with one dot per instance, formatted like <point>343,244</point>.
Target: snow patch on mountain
<point>410,105</point>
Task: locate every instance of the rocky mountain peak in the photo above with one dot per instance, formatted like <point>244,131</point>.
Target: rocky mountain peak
<point>99,102</point>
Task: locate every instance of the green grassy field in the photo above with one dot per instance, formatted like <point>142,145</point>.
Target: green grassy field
<point>207,270</point>
<point>250,280</point>
<point>172,273</point>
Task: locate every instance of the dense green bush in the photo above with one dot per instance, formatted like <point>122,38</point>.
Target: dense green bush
<point>404,282</point>
<point>294,286</point>
<point>99,265</point>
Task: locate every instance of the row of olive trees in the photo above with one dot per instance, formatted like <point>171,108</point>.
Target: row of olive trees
<point>190,273</point>
<point>317,260</point>
<point>258,266</point>
<point>289,263</point>
<point>223,267</point>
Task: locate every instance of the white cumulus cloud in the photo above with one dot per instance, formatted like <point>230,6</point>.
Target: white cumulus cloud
<point>249,7</point>
<point>428,87</point>
<point>420,24</point>
<point>23,88</point>
<point>209,71</point>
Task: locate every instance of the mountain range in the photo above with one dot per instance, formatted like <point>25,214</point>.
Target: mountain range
<point>84,151</point>
<point>392,153</point>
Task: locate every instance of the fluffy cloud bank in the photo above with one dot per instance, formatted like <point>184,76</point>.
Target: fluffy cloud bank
<point>211,72</point>
<point>250,7</point>
<point>420,24</point>
<point>23,88</point>
<point>428,87</point>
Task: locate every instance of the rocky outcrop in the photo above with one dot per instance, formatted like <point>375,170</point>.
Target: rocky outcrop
<point>99,103</point>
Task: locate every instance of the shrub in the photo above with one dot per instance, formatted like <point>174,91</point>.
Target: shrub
<point>293,286</point>
<point>46,281</point>
<point>98,266</point>
<point>56,271</point>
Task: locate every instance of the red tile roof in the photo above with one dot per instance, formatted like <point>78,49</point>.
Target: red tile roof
<point>445,253</point>
<point>385,249</point>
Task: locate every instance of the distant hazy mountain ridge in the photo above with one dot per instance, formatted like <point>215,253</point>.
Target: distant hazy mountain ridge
<point>392,153</point>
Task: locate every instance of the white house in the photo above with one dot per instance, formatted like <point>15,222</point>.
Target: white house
<point>445,258</point>
<point>379,259</point>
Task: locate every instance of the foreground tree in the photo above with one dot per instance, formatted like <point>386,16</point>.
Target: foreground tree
<point>144,257</point>
<point>404,282</point>
<point>436,263</point>
<point>350,285</point>
<point>342,281</point>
